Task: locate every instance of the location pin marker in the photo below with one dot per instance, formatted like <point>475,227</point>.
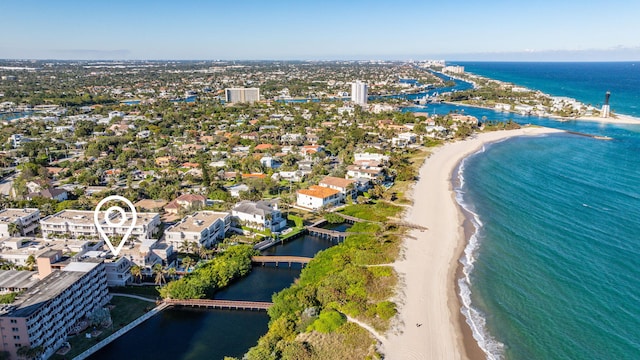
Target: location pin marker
<point>109,225</point>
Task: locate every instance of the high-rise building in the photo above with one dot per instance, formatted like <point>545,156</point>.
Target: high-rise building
<point>242,95</point>
<point>359,92</point>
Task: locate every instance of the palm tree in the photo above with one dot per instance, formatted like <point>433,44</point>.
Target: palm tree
<point>171,272</point>
<point>30,262</point>
<point>136,272</point>
<point>187,247</point>
<point>13,228</point>
<point>159,271</point>
<point>187,262</point>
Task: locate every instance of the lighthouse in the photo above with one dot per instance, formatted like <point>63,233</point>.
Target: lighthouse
<point>606,110</point>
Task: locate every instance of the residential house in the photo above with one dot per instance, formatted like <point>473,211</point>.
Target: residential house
<point>260,215</point>
<point>345,186</point>
<point>186,202</point>
<point>57,194</point>
<point>318,197</point>
<point>372,173</point>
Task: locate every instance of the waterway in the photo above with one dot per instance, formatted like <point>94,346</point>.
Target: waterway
<point>192,334</point>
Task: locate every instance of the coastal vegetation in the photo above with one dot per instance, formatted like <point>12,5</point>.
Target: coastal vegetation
<point>233,263</point>
<point>309,319</point>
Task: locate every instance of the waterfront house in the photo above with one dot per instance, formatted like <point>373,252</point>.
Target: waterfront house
<point>345,186</point>
<point>318,197</point>
<point>260,215</point>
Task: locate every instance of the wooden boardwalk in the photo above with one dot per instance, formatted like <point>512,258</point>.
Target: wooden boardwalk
<point>281,259</point>
<point>349,219</point>
<point>325,233</point>
<point>220,304</point>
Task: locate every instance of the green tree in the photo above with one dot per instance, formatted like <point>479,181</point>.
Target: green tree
<point>136,272</point>
<point>187,263</point>
<point>158,272</point>
<point>30,262</point>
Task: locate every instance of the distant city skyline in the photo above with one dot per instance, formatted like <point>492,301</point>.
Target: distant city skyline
<point>328,30</point>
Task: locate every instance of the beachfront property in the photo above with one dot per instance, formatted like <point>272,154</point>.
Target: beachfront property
<point>80,223</point>
<point>368,172</point>
<point>205,228</point>
<point>359,92</point>
<point>242,95</point>
<point>260,215</point>
<point>18,221</point>
<point>345,186</point>
<point>44,314</point>
<point>318,197</point>
<point>404,139</point>
<point>370,157</point>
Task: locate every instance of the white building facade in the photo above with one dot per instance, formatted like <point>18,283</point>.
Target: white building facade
<point>359,92</point>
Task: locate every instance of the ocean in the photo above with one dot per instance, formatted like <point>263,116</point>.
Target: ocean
<point>553,270</point>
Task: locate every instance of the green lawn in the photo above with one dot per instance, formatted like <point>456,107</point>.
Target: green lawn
<point>125,311</point>
<point>150,292</point>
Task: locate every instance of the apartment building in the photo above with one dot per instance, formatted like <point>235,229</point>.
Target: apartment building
<point>43,315</point>
<point>25,220</point>
<point>76,223</point>
<point>203,227</point>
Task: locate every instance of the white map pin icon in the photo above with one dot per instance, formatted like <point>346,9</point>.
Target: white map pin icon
<point>120,224</point>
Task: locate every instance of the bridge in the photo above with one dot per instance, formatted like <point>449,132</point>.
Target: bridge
<point>326,233</point>
<point>281,259</point>
<point>220,304</point>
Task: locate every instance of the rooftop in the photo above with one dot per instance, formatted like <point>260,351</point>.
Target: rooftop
<point>261,207</point>
<point>47,289</point>
<point>198,222</point>
<point>11,215</point>
<point>84,217</point>
<point>336,181</point>
<point>17,279</point>
<point>318,191</point>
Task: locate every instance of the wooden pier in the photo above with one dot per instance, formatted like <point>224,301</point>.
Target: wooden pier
<point>275,259</point>
<point>220,304</point>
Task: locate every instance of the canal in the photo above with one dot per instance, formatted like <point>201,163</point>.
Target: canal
<point>193,334</point>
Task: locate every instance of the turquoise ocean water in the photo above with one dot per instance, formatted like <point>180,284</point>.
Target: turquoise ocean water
<point>553,271</point>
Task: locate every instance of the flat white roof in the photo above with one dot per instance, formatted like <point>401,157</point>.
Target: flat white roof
<point>80,266</point>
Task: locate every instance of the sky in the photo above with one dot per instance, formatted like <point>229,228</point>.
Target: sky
<point>501,30</point>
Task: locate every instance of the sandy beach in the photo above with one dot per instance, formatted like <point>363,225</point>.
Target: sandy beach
<point>430,325</point>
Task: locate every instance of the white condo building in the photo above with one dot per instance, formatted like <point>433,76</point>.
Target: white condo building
<point>204,228</point>
<point>25,220</point>
<point>76,223</point>
<point>242,95</point>
<point>359,92</point>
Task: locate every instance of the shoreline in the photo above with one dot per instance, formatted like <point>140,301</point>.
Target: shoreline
<point>429,323</point>
<point>618,119</point>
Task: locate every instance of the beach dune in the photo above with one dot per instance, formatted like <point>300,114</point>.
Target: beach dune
<point>430,325</point>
